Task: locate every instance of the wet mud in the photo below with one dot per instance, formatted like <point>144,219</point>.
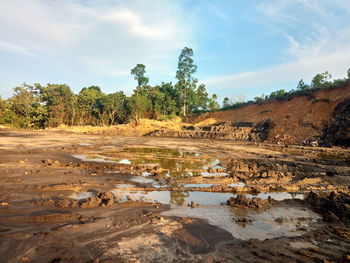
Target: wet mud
<point>78,198</point>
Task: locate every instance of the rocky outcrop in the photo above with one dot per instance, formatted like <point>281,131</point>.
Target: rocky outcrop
<point>338,131</point>
<point>244,202</point>
<point>238,131</point>
<point>335,208</point>
<point>102,199</point>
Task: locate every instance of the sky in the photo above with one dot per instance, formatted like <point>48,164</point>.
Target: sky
<point>241,47</point>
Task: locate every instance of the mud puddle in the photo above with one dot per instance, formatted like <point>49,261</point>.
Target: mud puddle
<point>93,158</point>
<point>272,223</point>
<point>173,163</point>
<point>198,197</point>
<point>82,195</point>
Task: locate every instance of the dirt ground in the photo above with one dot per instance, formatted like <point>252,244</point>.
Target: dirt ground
<point>68,197</point>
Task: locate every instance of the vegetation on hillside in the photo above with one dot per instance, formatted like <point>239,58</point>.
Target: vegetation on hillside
<point>38,106</point>
<point>321,81</point>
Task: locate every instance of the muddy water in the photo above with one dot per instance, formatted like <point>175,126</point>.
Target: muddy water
<point>82,195</point>
<point>93,158</point>
<point>198,197</point>
<point>242,224</point>
<point>258,225</point>
<point>176,164</point>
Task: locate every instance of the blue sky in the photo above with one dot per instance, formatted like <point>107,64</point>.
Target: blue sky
<point>241,47</point>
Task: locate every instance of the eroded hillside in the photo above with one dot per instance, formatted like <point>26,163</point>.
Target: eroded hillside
<point>323,115</point>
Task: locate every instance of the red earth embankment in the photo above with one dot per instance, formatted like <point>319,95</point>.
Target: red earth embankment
<point>294,120</point>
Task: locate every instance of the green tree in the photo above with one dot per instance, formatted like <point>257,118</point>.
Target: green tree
<point>138,102</point>
<point>302,86</point>
<point>112,108</point>
<point>226,103</point>
<point>139,74</point>
<point>27,109</point>
<point>213,104</point>
<point>321,80</point>
<point>184,74</point>
<point>170,99</point>
<point>348,73</point>
<point>87,107</point>
<point>60,102</point>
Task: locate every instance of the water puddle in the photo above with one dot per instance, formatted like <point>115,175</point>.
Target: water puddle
<point>208,174</point>
<point>142,180</point>
<point>125,186</point>
<point>95,158</point>
<point>124,161</point>
<point>146,174</point>
<point>180,198</point>
<point>82,195</point>
<point>258,225</point>
<point>174,197</point>
<point>198,185</point>
<point>175,163</point>
<point>214,164</point>
<point>238,184</point>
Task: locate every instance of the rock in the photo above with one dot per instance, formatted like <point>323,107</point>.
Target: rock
<point>334,208</point>
<point>103,199</point>
<point>192,204</point>
<point>244,202</point>
<point>63,203</point>
<point>243,220</point>
<point>279,220</point>
<point>91,202</point>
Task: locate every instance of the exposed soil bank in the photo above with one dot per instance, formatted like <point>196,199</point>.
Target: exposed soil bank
<point>322,116</point>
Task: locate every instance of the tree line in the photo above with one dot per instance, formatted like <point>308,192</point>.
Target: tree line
<point>320,81</point>
<point>51,105</point>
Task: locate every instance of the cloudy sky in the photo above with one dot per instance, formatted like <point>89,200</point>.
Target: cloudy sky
<point>245,47</point>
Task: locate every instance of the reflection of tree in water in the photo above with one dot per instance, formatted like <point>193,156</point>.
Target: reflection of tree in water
<point>178,198</point>
<point>179,164</point>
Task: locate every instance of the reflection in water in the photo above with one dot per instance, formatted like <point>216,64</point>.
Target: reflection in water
<point>142,180</point>
<point>176,164</point>
<point>180,198</point>
<point>176,198</point>
<point>238,184</point>
<point>94,158</point>
<point>82,195</point>
<point>198,185</point>
<point>260,225</point>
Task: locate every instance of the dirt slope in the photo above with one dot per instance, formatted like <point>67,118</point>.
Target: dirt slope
<point>303,117</point>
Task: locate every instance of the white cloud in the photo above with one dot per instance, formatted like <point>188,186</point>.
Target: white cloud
<point>119,34</point>
<point>315,45</point>
<point>6,46</point>
<point>336,63</point>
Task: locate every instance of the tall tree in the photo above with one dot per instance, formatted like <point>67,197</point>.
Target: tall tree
<point>184,74</point>
<point>87,105</point>
<point>302,86</point>
<point>139,74</point>
<point>321,80</point>
<point>138,100</point>
<point>112,108</point>
<point>213,105</point>
<point>60,102</point>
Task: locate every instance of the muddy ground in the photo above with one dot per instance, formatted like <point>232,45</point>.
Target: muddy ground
<point>90,198</point>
